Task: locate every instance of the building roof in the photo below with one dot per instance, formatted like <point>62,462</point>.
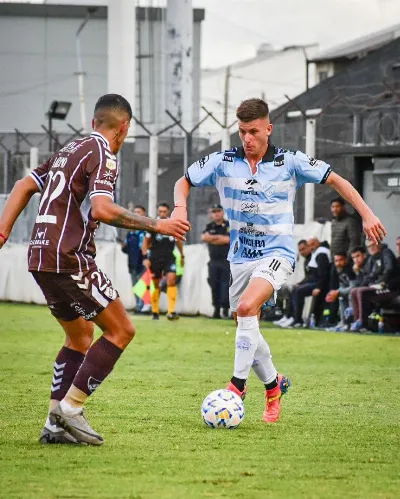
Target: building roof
<point>360,46</point>
<point>80,11</point>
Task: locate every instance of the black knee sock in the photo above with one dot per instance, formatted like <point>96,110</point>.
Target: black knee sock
<point>239,383</point>
<point>272,385</point>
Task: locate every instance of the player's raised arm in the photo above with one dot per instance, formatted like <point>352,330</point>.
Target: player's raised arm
<point>20,196</point>
<point>105,210</point>
<point>181,193</point>
<point>373,227</point>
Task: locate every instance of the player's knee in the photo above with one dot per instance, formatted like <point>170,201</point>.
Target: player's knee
<point>246,308</point>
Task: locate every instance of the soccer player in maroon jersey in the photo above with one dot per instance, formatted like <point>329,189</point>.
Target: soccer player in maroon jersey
<point>77,192</point>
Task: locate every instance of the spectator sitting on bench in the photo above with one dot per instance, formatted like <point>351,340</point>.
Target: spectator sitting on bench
<point>380,283</point>
<point>317,285</point>
<point>343,280</point>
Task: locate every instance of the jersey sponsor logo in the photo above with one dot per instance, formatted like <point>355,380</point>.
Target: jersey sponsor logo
<point>104,182</point>
<point>243,344</point>
<point>279,160</point>
<point>249,229</point>
<point>315,163</point>
<point>249,208</point>
<point>227,157</point>
<point>201,163</point>
<point>71,148</point>
<point>111,164</point>
<point>108,175</point>
<point>46,219</point>
<point>251,253</point>
<point>40,239</point>
<point>251,181</point>
<point>254,243</point>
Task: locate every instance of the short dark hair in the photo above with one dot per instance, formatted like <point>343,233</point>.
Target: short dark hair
<point>163,204</point>
<point>302,241</point>
<point>338,200</point>
<point>341,253</point>
<point>114,102</point>
<point>252,109</point>
<point>140,207</point>
<point>357,249</point>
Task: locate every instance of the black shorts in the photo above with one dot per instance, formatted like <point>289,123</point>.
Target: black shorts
<point>84,294</point>
<point>159,268</point>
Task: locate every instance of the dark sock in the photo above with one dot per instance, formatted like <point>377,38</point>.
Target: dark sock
<point>272,385</point>
<point>239,383</point>
<point>98,364</point>
<point>66,366</point>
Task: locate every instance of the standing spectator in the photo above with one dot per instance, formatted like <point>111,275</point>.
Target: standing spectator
<point>317,285</point>
<point>346,229</point>
<point>158,255</point>
<point>343,280</point>
<point>287,294</point>
<point>132,246</point>
<point>216,235</point>
<point>379,283</point>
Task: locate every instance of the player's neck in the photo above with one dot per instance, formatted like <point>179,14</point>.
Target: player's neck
<point>255,159</point>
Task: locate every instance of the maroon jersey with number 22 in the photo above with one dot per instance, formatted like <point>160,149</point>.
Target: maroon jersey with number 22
<point>62,239</point>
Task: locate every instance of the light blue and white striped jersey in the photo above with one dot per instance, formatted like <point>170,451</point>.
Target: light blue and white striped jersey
<point>260,206</point>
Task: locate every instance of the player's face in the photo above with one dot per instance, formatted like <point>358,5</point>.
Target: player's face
<point>358,258</point>
<point>163,212</point>
<point>304,250</point>
<point>340,261</point>
<point>337,209</point>
<point>254,136</point>
<point>217,215</point>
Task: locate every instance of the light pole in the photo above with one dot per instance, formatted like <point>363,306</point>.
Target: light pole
<point>58,110</point>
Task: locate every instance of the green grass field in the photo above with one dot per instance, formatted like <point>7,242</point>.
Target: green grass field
<point>339,434</point>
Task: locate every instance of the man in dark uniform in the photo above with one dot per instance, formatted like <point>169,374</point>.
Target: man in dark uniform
<point>216,235</point>
<point>158,254</point>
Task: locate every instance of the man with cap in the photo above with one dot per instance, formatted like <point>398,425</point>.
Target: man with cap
<point>216,235</point>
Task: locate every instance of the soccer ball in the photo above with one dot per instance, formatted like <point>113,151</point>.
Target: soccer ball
<point>222,409</point>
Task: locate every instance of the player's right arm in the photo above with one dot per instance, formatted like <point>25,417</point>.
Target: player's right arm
<point>145,250</point>
<point>200,173</point>
<point>20,196</point>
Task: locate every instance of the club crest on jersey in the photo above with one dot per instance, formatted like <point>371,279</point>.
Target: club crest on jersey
<point>111,164</point>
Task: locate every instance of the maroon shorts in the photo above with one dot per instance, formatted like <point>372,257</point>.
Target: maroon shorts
<point>85,294</point>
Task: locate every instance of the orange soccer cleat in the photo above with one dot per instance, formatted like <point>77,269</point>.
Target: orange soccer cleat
<point>273,399</point>
<point>231,387</point>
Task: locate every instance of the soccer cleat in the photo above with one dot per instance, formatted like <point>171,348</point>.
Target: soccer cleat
<point>216,314</point>
<point>279,322</point>
<point>231,387</point>
<point>173,316</point>
<point>76,425</point>
<point>273,399</point>
<point>355,326</point>
<point>288,323</point>
<point>55,434</point>
<point>156,317</point>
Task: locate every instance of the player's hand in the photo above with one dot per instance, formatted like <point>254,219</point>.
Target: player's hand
<point>183,260</point>
<point>373,228</point>
<point>176,227</point>
<point>332,296</point>
<point>146,263</point>
<point>316,292</point>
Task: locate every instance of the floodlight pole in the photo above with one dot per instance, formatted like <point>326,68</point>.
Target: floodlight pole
<point>153,175</point>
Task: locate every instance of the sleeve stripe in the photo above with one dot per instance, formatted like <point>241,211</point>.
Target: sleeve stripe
<point>101,193</point>
<point>325,177</point>
<point>37,180</point>
<point>187,176</point>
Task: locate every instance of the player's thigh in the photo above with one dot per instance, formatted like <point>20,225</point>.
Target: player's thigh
<point>240,274</point>
<point>78,334</point>
<point>116,324</point>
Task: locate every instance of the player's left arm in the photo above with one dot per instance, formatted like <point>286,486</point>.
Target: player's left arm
<point>373,227</point>
<point>179,245</point>
<point>19,197</point>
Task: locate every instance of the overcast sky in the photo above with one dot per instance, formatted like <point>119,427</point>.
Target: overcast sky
<point>233,29</point>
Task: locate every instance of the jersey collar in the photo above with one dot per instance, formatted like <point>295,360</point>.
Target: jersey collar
<point>268,156</point>
<point>100,136</point>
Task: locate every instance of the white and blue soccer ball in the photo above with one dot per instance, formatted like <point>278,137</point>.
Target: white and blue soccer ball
<point>222,409</point>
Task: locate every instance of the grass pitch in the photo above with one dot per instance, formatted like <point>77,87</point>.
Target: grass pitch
<point>338,436</point>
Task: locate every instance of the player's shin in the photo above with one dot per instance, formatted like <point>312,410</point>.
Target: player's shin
<point>98,364</point>
<point>155,301</point>
<point>263,365</point>
<point>247,339</point>
<point>172,292</point>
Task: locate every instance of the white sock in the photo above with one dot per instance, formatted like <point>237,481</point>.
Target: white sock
<point>247,337</point>
<point>69,409</point>
<point>263,365</point>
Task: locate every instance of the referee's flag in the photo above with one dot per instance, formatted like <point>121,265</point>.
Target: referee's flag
<point>144,287</point>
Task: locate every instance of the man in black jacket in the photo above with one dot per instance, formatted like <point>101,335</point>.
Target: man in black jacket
<point>379,283</point>
<point>345,229</point>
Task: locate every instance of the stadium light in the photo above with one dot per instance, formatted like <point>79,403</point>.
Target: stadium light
<point>58,110</point>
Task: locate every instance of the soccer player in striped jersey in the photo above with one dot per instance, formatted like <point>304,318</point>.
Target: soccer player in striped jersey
<point>77,192</point>
<point>257,184</point>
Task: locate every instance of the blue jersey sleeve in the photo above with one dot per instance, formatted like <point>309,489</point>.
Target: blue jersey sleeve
<point>204,171</point>
<point>309,170</point>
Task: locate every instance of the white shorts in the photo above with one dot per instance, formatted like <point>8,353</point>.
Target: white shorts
<point>273,269</point>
